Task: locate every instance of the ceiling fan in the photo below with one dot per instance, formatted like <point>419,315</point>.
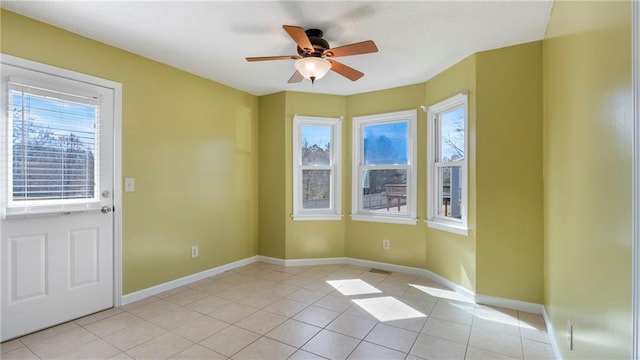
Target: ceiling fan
<point>314,57</point>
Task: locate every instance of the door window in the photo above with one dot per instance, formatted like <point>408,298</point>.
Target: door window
<point>53,149</point>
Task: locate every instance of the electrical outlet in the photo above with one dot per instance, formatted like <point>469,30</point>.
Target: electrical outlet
<point>386,244</point>
<point>194,251</point>
<point>570,335</point>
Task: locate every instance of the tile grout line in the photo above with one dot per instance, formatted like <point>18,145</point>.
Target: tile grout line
<point>360,341</point>
<point>473,319</point>
<point>255,277</point>
<point>421,328</point>
<point>521,339</point>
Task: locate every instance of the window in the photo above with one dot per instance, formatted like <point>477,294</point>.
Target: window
<point>316,168</point>
<point>384,174</point>
<point>53,141</point>
<point>447,165</point>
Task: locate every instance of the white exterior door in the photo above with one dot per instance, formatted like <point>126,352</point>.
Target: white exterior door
<point>57,199</point>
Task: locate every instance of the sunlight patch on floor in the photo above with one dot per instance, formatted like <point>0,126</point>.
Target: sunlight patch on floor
<point>353,287</point>
<point>388,308</point>
<point>441,293</point>
<point>501,318</point>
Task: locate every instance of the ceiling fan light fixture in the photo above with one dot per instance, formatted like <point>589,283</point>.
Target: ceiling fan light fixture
<point>313,68</point>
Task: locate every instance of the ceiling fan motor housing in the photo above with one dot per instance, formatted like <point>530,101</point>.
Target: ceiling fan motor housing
<point>315,56</point>
<point>319,44</point>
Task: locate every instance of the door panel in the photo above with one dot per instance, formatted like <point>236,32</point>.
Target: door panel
<point>57,274</point>
<point>83,257</point>
<point>57,246</point>
<point>27,267</point>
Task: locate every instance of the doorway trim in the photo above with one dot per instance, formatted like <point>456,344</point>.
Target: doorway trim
<point>635,91</point>
<point>117,151</point>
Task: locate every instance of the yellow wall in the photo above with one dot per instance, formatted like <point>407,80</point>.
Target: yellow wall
<point>363,240</point>
<point>310,239</point>
<point>503,114</point>
<point>179,166</point>
<point>280,236</point>
<point>272,190</point>
<point>450,255</point>
<point>509,172</point>
<point>587,177</point>
<point>190,143</point>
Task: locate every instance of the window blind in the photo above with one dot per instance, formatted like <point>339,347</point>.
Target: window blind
<point>54,149</point>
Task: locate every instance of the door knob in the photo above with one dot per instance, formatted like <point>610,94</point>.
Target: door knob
<point>106,209</point>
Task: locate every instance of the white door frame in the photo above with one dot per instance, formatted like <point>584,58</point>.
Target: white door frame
<point>117,152</point>
<point>635,194</point>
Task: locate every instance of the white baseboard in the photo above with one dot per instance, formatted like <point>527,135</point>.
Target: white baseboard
<point>154,290</point>
<point>316,262</point>
<point>551,332</point>
<point>510,304</point>
<point>271,260</point>
<point>477,298</point>
<point>414,271</point>
<point>480,299</point>
<point>302,262</point>
<point>372,264</point>
<point>466,293</point>
<point>385,266</point>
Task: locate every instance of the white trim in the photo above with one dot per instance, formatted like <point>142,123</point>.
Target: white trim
<point>387,267</point>
<point>302,262</point>
<point>635,194</point>
<point>410,116</point>
<point>434,221</point>
<point>510,304</point>
<point>414,271</point>
<point>335,199</point>
<point>480,299</point>
<point>37,84</point>
<point>316,262</point>
<point>450,227</point>
<point>477,298</point>
<point>384,219</point>
<point>169,285</point>
<point>117,195</point>
<point>551,332</point>
<point>117,151</point>
<point>373,264</point>
<point>307,217</point>
<point>271,260</point>
<point>466,293</point>
<point>52,70</point>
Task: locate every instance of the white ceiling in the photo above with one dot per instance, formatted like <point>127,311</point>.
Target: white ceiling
<point>417,39</point>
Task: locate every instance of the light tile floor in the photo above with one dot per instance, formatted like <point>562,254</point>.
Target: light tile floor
<point>264,311</point>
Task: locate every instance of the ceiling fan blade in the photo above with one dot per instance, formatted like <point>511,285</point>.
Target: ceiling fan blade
<point>299,36</point>
<point>346,71</point>
<point>295,78</point>
<point>364,47</point>
<point>265,58</point>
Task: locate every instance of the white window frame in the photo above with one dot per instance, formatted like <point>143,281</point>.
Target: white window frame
<point>61,89</point>
<point>357,211</point>
<point>334,212</point>
<point>456,226</point>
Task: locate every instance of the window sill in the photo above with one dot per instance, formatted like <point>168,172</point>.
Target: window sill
<point>316,217</point>
<point>385,219</point>
<point>449,227</point>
